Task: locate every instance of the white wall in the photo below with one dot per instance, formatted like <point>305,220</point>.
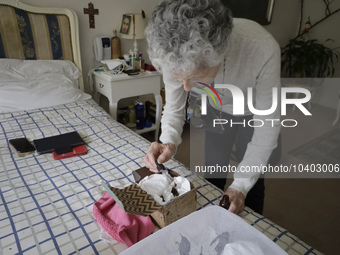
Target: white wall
<point>109,19</point>
<point>328,28</point>
<point>328,94</point>
<point>284,20</point>
<point>283,27</point>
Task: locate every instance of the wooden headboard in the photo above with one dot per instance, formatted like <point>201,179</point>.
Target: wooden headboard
<point>30,32</point>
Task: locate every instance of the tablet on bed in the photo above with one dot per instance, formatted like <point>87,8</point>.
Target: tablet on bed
<point>59,143</point>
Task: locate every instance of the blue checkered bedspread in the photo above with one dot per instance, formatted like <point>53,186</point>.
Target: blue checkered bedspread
<point>46,204</point>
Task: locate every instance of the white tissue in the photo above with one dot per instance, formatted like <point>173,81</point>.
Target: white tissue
<point>160,185</point>
<point>113,63</point>
<point>182,185</point>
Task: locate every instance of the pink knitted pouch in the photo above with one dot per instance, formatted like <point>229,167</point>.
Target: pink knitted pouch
<point>125,228</point>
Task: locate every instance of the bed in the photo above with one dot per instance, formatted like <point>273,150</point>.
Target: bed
<point>46,204</point>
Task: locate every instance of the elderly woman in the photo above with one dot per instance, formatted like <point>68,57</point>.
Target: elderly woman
<point>198,40</point>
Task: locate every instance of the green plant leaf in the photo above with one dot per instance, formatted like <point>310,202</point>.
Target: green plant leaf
<point>309,57</point>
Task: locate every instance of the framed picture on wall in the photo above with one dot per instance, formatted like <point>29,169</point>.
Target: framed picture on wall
<point>260,11</point>
<point>124,28</point>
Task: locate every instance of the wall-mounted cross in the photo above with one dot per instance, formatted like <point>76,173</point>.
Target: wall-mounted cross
<point>91,12</point>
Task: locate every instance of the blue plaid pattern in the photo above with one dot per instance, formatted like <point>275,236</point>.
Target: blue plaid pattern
<point>46,204</point>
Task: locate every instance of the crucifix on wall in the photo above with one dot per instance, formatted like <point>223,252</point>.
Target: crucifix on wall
<point>91,12</point>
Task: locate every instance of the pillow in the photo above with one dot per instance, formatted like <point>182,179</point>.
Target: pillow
<point>38,91</point>
<point>14,68</point>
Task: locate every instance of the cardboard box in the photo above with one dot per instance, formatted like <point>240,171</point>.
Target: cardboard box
<point>137,201</point>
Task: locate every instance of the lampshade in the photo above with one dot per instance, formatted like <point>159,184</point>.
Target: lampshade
<point>137,26</point>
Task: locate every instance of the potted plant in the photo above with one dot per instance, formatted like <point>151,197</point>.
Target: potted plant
<point>308,58</point>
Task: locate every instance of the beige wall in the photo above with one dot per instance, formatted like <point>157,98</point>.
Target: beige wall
<point>283,27</point>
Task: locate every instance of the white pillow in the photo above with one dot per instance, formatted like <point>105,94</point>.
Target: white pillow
<point>14,68</point>
<point>38,91</point>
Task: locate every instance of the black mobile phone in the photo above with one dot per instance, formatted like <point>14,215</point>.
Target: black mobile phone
<point>22,146</point>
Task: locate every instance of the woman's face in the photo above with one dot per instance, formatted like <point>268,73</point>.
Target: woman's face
<point>199,76</point>
<point>125,26</point>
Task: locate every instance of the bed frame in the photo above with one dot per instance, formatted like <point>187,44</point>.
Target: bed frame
<point>39,33</point>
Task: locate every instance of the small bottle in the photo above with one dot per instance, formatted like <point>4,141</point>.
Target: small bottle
<point>163,95</point>
<point>135,54</point>
<point>225,202</point>
<point>140,117</point>
<point>116,51</point>
<point>125,117</point>
<point>132,60</point>
<point>190,113</point>
<point>132,118</point>
<point>141,61</point>
<point>137,63</point>
<point>141,64</point>
<point>148,122</point>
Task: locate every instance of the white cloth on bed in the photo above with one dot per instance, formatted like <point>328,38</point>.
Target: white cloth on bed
<point>242,248</point>
<point>33,84</point>
<point>212,231</point>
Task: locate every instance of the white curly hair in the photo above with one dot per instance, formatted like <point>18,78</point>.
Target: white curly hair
<point>188,35</point>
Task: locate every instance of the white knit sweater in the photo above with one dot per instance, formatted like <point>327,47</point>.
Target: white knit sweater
<point>252,60</point>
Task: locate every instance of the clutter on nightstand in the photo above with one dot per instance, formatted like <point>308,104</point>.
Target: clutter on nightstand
<point>139,116</point>
<point>116,66</point>
<point>117,87</point>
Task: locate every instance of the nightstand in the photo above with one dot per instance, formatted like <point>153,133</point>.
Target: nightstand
<point>119,87</point>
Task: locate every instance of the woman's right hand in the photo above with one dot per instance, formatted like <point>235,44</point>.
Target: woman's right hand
<point>160,152</point>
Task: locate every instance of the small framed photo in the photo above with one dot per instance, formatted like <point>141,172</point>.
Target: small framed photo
<point>126,21</point>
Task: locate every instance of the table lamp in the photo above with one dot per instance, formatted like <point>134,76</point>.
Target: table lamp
<point>133,26</point>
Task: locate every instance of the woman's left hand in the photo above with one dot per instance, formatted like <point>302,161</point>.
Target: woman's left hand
<point>236,199</point>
